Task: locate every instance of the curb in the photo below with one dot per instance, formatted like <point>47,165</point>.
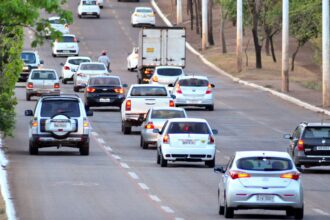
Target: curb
<point>238,80</point>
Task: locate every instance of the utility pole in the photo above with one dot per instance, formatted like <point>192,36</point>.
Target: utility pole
<point>239,35</point>
<point>325,54</point>
<point>178,12</point>
<point>204,24</point>
<point>285,45</point>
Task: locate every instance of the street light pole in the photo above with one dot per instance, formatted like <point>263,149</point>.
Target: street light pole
<point>239,35</point>
<point>204,24</point>
<point>285,45</point>
<point>325,54</point>
<point>178,12</point>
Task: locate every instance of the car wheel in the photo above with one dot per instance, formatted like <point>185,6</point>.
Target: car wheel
<point>228,212</point>
<point>290,212</point>
<point>210,163</point>
<point>28,97</point>
<point>158,158</point>
<point>143,144</point>
<point>210,108</point>
<point>126,129</point>
<point>33,150</point>
<point>79,16</point>
<point>299,213</point>
<point>84,149</point>
<point>163,161</point>
<point>98,16</point>
<point>221,210</point>
<point>53,54</point>
<point>87,106</point>
<point>76,89</point>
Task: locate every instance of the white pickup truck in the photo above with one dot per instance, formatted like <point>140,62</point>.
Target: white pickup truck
<point>140,98</point>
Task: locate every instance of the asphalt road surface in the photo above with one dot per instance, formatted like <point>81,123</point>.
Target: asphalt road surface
<point>119,180</point>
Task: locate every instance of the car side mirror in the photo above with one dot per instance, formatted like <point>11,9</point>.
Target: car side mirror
<point>125,85</point>
<point>215,131</point>
<point>28,113</point>
<point>156,131</point>
<point>170,85</point>
<point>173,96</point>
<point>41,62</point>
<point>287,136</point>
<point>212,85</point>
<point>62,64</point>
<point>89,112</point>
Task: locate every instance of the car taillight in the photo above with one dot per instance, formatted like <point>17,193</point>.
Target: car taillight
<point>128,105</point>
<point>150,125</point>
<point>56,85</point>
<point>119,90</point>
<point>166,139</point>
<point>293,176</point>
<point>211,139</point>
<point>30,85</point>
<point>300,146</point>
<point>155,78</point>
<point>66,68</point>
<point>238,174</point>
<point>81,74</point>
<point>209,89</point>
<point>171,103</point>
<point>178,89</point>
<point>90,89</point>
<point>148,71</point>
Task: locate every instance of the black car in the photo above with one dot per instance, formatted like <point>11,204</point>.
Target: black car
<point>104,91</point>
<point>310,144</point>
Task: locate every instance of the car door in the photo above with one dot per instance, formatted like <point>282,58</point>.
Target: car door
<point>225,181</point>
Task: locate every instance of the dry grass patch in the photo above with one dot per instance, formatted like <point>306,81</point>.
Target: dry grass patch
<point>2,209</point>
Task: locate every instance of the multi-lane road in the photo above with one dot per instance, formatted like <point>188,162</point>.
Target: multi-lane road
<point>119,180</point>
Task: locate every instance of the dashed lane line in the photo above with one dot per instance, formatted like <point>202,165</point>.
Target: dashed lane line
<point>124,165</point>
<point>321,212</point>
<point>133,175</point>
<point>167,209</point>
<point>116,157</point>
<point>155,198</point>
<point>143,186</point>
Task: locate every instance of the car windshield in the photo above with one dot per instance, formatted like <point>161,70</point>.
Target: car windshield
<point>43,75</point>
<point>188,128</point>
<point>89,2</point>
<point>264,164</point>
<point>28,58</point>
<point>167,114</point>
<point>144,10</point>
<point>149,91</point>
<point>68,39</point>
<point>317,132</point>
<point>69,108</point>
<point>100,81</point>
<point>92,67</point>
<point>78,61</point>
<point>194,82</point>
<point>169,72</point>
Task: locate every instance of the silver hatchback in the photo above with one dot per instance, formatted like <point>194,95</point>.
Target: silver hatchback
<point>260,180</point>
<point>42,82</point>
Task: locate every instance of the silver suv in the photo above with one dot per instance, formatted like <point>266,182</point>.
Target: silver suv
<point>59,121</point>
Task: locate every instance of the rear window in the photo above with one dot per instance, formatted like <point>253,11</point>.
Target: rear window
<point>104,81</point>
<point>264,164</point>
<point>89,2</point>
<point>169,72</point>
<point>144,10</point>
<point>92,67</point>
<point>28,58</point>
<point>317,132</point>
<point>78,61</point>
<point>149,91</point>
<point>43,75</point>
<point>188,128</point>
<point>194,82</point>
<point>68,39</point>
<point>69,108</point>
<point>167,114</point>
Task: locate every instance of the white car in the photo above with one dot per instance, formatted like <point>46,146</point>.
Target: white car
<point>260,180</point>
<point>166,75</point>
<point>71,66</point>
<point>57,24</point>
<point>155,119</point>
<point>89,8</point>
<point>193,91</point>
<point>143,16</point>
<point>133,59</point>
<point>67,45</point>
<point>85,71</point>
<point>186,139</point>
<point>100,3</point>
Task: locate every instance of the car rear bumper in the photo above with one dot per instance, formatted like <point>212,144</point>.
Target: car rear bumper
<point>181,154</point>
<point>149,137</point>
<point>313,160</point>
<point>48,140</point>
<point>194,102</point>
<point>134,119</point>
<point>87,13</point>
<point>96,100</point>
<point>141,20</point>
<point>36,92</point>
<point>66,52</point>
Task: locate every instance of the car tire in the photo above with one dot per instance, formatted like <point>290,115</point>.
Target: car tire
<point>75,89</point>
<point>158,158</point>
<point>79,16</point>
<point>210,107</point>
<point>210,163</point>
<point>228,212</point>
<point>221,210</point>
<point>84,149</point>
<point>33,150</point>
<point>163,161</point>
<point>143,144</point>
<point>53,54</point>
<point>98,16</point>
<point>299,213</point>
<point>28,97</point>
<point>290,212</point>
<point>125,129</point>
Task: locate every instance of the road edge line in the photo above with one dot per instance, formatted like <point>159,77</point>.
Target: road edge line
<point>281,95</point>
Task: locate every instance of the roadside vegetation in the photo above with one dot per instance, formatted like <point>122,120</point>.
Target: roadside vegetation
<point>15,15</point>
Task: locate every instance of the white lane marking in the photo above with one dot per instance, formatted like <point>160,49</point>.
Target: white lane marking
<point>143,186</point>
<point>176,218</point>
<point>155,198</point>
<point>108,148</point>
<point>167,209</point>
<point>95,133</point>
<point>116,156</point>
<point>101,141</point>
<point>321,212</point>
<point>124,165</point>
<point>133,175</point>
<point>218,151</point>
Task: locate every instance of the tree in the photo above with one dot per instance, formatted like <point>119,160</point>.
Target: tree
<point>210,22</point>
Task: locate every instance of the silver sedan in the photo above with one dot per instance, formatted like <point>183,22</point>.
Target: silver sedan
<point>155,119</point>
<point>260,180</point>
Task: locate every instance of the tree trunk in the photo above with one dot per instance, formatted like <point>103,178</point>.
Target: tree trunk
<point>210,23</point>
<point>267,44</point>
<point>257,45</point>
<point>272,48</point>
<point>294,57</point>
<point>222,31</point>
<point>197,16</point>
<point>200,16</point>
<point>190,7</point>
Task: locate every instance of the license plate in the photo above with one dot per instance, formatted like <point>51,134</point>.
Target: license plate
<point>104,100</point>
<point>66,51</point>
<point>323,148</point>
<point>193,101</point>
<point>188,141</point>
<point>265,198</point>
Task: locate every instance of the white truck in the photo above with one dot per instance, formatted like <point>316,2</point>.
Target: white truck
<point>160,46</point>
<point>140,98</point>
